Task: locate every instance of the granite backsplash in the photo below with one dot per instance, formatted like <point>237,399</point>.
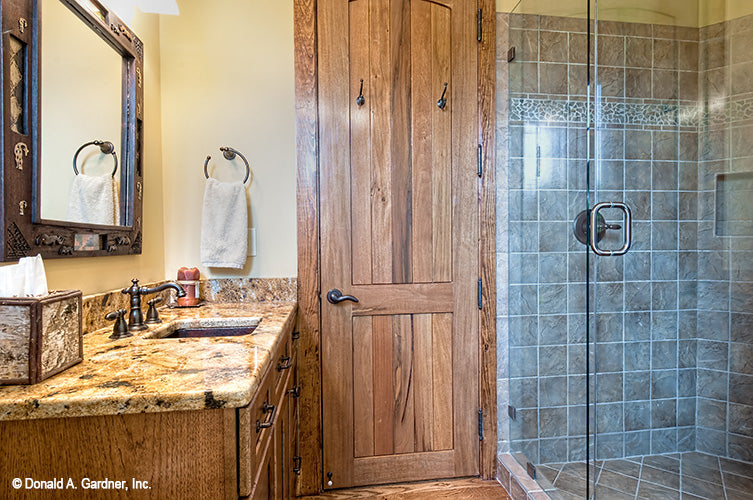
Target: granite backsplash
<point>235,290</point>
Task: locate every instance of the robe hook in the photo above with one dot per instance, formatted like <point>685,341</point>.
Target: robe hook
<point>360,100</point>
<point>442,102</point>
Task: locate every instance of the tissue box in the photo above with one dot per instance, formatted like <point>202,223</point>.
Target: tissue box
<point>39,336</point>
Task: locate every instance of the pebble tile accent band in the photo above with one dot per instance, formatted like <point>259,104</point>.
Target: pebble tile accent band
<point>528,109</point>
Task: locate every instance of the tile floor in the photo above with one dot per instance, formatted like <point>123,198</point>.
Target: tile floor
<point>686,476</point>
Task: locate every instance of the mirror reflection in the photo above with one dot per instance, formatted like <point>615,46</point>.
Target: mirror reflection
<point>81,117</point>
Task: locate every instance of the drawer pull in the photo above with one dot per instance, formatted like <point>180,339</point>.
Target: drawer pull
<point>272,410</point>
<point>284,364</point>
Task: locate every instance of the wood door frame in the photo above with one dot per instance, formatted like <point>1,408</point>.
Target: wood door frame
<point>308,214</point>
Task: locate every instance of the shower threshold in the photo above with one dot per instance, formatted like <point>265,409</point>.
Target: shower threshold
<point>690,475</point>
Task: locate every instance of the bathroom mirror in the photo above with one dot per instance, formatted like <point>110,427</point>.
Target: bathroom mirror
<point>73,89</point>
<point>80,84</point>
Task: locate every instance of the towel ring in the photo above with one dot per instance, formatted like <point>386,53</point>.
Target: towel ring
<point>229,154</point>
<point>106,147</point>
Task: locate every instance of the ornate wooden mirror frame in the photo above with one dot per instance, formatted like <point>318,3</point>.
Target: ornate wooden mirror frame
<point>24,232</point>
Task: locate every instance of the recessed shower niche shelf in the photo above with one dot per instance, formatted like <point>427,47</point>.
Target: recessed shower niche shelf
<point>733,210</point>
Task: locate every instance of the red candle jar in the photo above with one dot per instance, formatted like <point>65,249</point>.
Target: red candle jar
<point>188,278</point>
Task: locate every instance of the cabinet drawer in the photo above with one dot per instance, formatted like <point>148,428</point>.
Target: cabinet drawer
<point>284,364</point>
<point>255,423</point>
<point>275,458</point>
<point>252,442</point>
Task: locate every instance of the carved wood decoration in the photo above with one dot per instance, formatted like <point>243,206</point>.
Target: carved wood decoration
<point>23,232</point>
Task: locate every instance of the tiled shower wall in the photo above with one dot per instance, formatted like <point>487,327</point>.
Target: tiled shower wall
<point>725,241</point>
<point>651,362</point>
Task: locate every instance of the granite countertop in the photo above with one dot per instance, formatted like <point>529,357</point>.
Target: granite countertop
<point>140,374</point>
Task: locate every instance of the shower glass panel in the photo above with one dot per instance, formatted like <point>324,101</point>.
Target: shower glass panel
<point>631,375</point>
<point>547,179</point>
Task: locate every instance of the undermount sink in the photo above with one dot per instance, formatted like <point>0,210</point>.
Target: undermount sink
<point>205,328</point>
<point>222,331</point>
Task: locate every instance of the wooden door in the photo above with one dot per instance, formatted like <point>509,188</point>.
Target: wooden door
<point>399,231</point>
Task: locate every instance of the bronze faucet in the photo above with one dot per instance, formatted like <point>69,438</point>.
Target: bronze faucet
<point>135,316</point>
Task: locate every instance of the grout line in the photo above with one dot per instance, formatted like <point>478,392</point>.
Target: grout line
<point>640,476</point>
<point>721,473</point>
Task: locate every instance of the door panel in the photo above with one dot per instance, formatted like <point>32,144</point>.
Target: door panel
<point>401,142</point>
<point>414,407</point>
<point>399,229</point>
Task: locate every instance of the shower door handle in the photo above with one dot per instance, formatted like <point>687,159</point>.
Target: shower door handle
<point>627,228</point>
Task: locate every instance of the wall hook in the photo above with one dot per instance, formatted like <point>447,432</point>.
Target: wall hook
<point>442,102</point>
<point>361,100</point>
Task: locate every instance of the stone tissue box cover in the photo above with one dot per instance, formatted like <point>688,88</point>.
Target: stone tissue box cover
<point>39,336</point>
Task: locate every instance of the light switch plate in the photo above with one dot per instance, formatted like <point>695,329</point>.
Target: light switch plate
<point>252,242</point>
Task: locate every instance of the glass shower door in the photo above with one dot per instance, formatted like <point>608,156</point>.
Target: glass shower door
<point>642,291</point>
<point>629,211</point>
<point>546,272</point>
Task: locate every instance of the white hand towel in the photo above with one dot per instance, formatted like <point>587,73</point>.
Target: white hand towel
<point>93,200</point>
<point>224,219</point>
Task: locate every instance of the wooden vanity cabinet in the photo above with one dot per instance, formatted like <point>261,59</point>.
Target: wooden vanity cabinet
<point>180,454</point>
<point>267,432</point>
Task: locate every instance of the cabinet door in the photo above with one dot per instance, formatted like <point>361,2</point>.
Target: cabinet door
<point>264,489</point>
<point>291,434</point>
<point>279,457</point>
<point>284,429</point>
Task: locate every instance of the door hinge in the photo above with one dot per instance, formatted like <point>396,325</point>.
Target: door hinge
<point>531,469</point>
<point>480,294</point>
<point>297,465</point>
<point>295,391</point>
<point>481,425</point>
<point>511,54</point>
<point>479,24</point>
<point>480,160</point>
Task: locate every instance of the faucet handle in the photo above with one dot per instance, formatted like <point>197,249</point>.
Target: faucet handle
<point>152,316</point>
<point>133,289</point>
<point>120,328</point>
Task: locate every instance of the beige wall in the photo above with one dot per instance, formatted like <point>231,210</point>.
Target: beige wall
<point>716,11</point>
<point>227,80</point>
<point>106,273</point>
<point>694,13</point>
<point>219,74</point>
<point>81,84</point>
<point>673,12</point>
